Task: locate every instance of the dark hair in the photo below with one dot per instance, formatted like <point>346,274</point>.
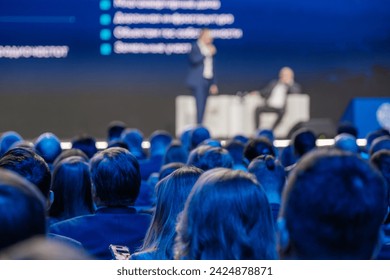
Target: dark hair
<point>30,166</point>
<point>116,177</point>
<point>85,143</point>
<point>236,150</point>
<point>303,141</point>
<point>114,130</point>
<point>70,153</point>
<point>198,135</point>
<point>172,192</point>
<point>381,160</point>
<point>206,157</point>
<point>48,146</point>
<point>373,135</point>
<point>269,173</point>
<point>175,153</point>
<point>169,168</point>
<point>267,133</point>
<point>380,143</point>
<point>257,147</point>
<point>159,142</point>
<point>7,139</point>
<point>134,138</point>
<point>117,143</point>
<point>347,127</point>
<point>185,138</point>
<point>71,185</point>
<point>287,157</point>
<point>333,207</point>
<point>226,216</point>
<point>22,209</point>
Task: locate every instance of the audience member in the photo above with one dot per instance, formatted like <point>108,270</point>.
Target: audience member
<point>236,151</point>
<point>85,143</point>
<point>116,183</point>
<point>133,139</point>
<point>7,139</point>
<point>30,166</point>
<point>198,135</point>
<point>172,192</point>
<point>333,207</point>
<point>346,142</point>
<point>22,209</point>
<point>206,158</point>
<point>272,177</point>
<point>347,127</point>
<point>257,147</point>
<point>71,184</point>
<point>175,153</point>
<point>114,130</point>
<point>70,153</point>
<point>227,216</point>
<point>380,143</point>
<point>48,146</point>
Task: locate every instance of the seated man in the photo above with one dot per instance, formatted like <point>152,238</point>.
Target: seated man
<point>275,95</point>
<point>116,183</point>
<point>333,208</point>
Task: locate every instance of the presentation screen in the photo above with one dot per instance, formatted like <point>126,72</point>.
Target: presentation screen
<point>141,46</point>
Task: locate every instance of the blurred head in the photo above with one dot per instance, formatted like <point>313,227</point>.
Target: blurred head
<point>22,209</point>
<point>175,153</point>
<point>185,138</point>
<point>346,142</point>
<point>380,143</point>
<point>267,133</point>
<point>7,139</point>
<point>172,193</point>
<point>169,168</point>
<point>70,153</point>
<point>48,146</point>
<point>85,143</point>
<point>30,166</point>
<point>333,207</point>
<point>198,135</point>
<point>257,147</point>
<point>347,127</point>
<point>134,138</point>
<point>159,142</point>
<point>71,184</point>
<point>118,144</point>
<point>114,130</point>
<point>373,135</point>
<point>205,36</point>
<point>287,156</point>
<point>303,141</point>
<point>286,75</point>
<point>226,216</point>
<point>381,160</point>
<point>270,174</point>
<point>241,138</point>
<point>115,177</point>
<point>206,157</point>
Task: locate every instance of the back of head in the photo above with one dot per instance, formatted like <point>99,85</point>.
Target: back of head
<point>71,185</point>
<point>22,209</point>
<point>333,207</point>
<point>175,153</point>
<point>267,133</point>
<point>115,177</point>
<point>198,135</point>
<point>7,139</point>
<point>257,147</point>
<point>48,146</point>
<point>114,130</point>
<point>303,141</point>
<point>70,153</point>
<point>30,166</point>
<point>346,142</point>
<point>380,143</point>
<point>226,216</point>
<point>269,173</point>
<point>347,127</point>
<point>159,142</point>
<point>241,138</point>
<point>169,168</point>
<point>373,135</point>
<point>172,193</point>
<point>85,143</point>
<point>236,150</point>
<point>134,138</point>
<point>206,158</point>
<point>185,138</point>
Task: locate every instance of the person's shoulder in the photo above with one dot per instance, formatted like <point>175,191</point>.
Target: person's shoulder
<point>72,222</point>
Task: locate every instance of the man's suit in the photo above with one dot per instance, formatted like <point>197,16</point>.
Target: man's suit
<point>117,226</point>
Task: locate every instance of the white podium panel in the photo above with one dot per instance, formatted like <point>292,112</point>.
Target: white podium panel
<point>230,115</point>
